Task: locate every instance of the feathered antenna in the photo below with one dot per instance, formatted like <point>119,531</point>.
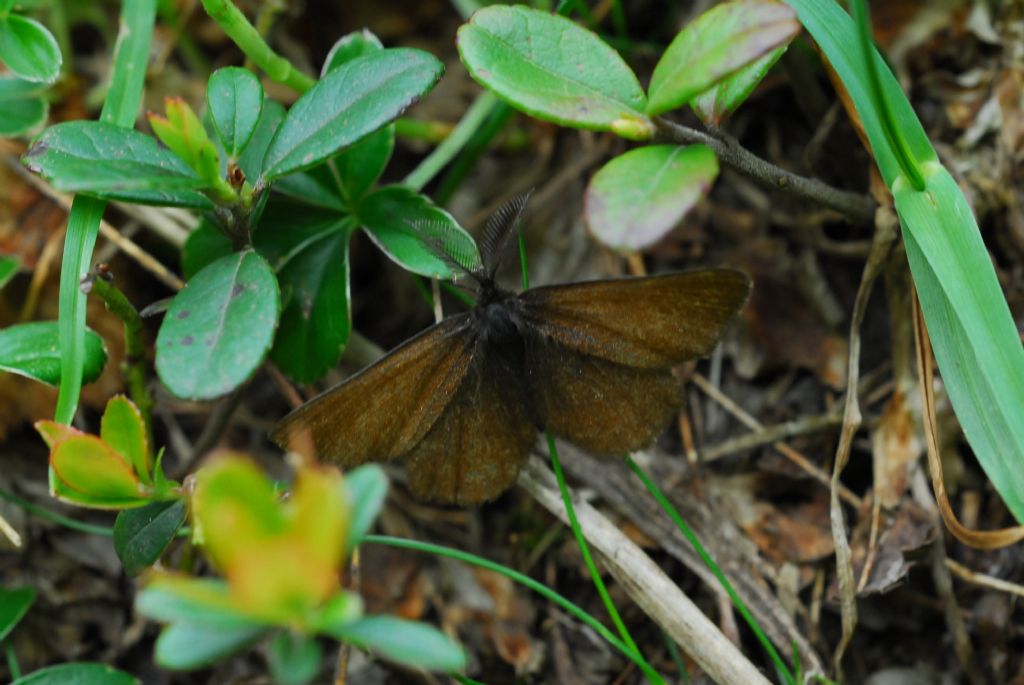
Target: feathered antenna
<point>499,230</point>
<point>460,256</point>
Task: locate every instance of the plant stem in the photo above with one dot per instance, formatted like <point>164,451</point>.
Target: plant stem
<point>456,140</point>
<point>581,541</point>
<point>134,365</point>
<point>458,171</point>
<point>13,667</point>
<point>673,514</point>
<point>433,132</point>
<point>249,40</point>
<point>54,517</point>
<point>856,207</point>
<point>526,581</point>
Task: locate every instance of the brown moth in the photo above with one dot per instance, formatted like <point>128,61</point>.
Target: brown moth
<point>461,403</point>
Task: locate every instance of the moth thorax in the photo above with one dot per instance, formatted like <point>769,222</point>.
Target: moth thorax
<point>498,321</point>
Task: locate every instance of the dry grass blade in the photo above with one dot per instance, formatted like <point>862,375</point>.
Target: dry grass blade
<point>974,538</point>
<point>885,236</point>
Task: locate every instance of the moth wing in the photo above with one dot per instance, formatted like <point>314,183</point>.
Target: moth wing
<point>604,407</point>
<point>653,322</point>
<point>383,411</point>
<point>476,448</point>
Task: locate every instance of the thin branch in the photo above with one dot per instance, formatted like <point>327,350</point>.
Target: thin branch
<point>858,208</point>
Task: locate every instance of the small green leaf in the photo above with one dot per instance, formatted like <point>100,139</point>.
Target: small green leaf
<point>638,197</point>
<point>8,268</point>
<point>367,488</point>
<point>349,47</point>
<point>22,106</point>
<point>361,165</point>
<point>174,598</point>
<point>251,159</point>
<point>309,250</point>
<point>720,41</point>
<point>203,246</point>
<point>399,220</point>
<point>219,327</point>
<point>355,99</point>
<point>141,535</point>
<point>123,429</point>
<point>235,98</point>
<point>294,659</point>
<point>406,642</point>
<point>552,69</point>
<point>725,97</point>
<point>110,161</point>
<point>87,466</point>
<point>318,186</point>
<point>78,674</point>
<point>31,350</point>
<point>184,646</point>
<point>182,132</point>
<point>28,49</point>
<point>14,604</point>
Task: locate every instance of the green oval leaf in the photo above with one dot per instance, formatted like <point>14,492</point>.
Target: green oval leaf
<point>107,160</point>
<point>123,429</point>
<point>361,165</point>
<point>235,98</point>
<point>28,49</point>
<point>251,159</point>
<point>720,41</point>
<point>183,646</point>
<point>355,99</point>
<point>349,47</point>
<point>635,199</point>
<point>406,642</point>
<point>87,466</point>
<point>219,327</point>
<point>725,97</point>
<point>294,659</point>
<point>77,674</point>
<point>141,535</point>
<point>32,350</point>
<point>14,604</point>
<point>309,249</point>
<point>553,69</point>
<point>22,107</point>
<point>399,220</point>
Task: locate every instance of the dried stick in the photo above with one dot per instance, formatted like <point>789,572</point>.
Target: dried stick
<point>648,585</point>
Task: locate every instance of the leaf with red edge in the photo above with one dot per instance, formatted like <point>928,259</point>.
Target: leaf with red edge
<point>635,199</point>
<point>123,429</point>
<point>95,475</point>
<point>720,41</point>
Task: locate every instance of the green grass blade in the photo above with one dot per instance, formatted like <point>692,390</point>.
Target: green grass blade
<point>976,342</point>
<point>973,335</point>
<point>130,58</point>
